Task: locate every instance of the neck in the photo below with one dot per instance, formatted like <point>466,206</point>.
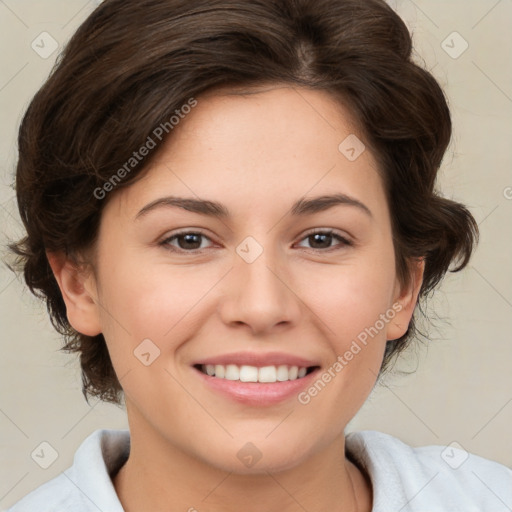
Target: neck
<point>158,474</point>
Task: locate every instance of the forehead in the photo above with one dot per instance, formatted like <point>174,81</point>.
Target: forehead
<point>260,147</point>
<point>297,115</point>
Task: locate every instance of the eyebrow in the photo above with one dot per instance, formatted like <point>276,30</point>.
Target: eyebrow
<point>303,206</point>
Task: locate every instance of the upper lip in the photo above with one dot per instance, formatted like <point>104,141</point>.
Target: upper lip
<point>258,359</point>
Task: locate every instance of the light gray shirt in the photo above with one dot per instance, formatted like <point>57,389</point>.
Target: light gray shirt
<point>404,479</point>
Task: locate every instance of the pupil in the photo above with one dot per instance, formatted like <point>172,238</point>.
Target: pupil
<point>189,240</point>
<point>318,236</point>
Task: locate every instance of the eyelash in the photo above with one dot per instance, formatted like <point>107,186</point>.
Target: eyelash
<point>344,242</point>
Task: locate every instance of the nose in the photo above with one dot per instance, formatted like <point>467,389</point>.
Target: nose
<point>260,295</point>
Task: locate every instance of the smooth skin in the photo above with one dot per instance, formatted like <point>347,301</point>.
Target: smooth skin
<point>257,154</point>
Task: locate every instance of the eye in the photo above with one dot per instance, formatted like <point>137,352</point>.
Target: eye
<point>322,239</point>
<point>192,241</point>
<point>186,241</point>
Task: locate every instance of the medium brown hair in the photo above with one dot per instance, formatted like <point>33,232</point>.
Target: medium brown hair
<point>131,65</point>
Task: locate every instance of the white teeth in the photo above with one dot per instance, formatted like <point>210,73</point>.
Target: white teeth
<point>232,372</point>
<point>267,374</point>
<point>246,373</point>
<point>220,371</point>
<point>282,373</point>
<point>249,374</point>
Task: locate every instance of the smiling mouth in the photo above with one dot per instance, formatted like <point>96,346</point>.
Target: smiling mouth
<point>261,374</point>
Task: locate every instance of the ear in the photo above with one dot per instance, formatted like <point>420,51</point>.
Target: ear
<point>78,289</point>
<point>404,302</point>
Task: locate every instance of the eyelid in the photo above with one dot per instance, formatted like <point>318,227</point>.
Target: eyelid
<point>330,231</point>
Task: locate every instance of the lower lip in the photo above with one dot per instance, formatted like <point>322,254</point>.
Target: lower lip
<point>257,393</point>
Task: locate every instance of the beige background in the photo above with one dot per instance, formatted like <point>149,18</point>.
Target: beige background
<point>462,386</point>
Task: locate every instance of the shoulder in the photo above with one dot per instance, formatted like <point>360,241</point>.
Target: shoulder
<point>57,494</point>
<point>440,478</point>
<point>86,486</point>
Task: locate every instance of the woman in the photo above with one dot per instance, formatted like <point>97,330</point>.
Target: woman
<point>231,214</point>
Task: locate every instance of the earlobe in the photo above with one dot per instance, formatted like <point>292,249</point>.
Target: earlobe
<point>405,302</point>
<point>78,291</point>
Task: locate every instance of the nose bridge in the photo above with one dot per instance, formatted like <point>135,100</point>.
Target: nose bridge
<point>258,294</point>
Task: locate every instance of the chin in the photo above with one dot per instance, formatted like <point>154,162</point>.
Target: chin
<point>255,457</point>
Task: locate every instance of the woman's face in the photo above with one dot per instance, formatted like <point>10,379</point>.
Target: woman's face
<point>251,287</point>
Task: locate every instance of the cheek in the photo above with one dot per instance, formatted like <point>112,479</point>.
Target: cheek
<point>160,302</point>
<point>355,305</point>
<point>350,298</point>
